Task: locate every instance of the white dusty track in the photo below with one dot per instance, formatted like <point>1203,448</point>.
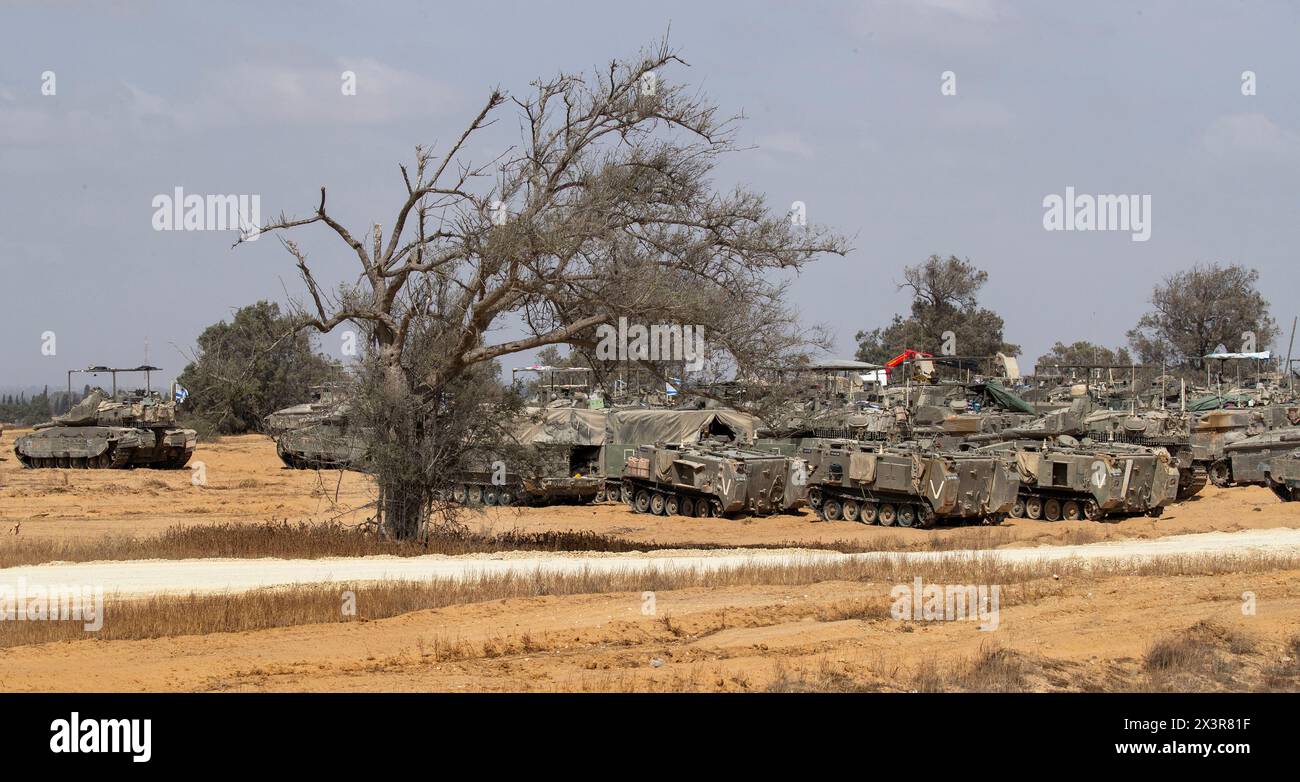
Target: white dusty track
<point>143,577</point>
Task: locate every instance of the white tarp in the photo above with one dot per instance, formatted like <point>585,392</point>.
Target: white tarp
<point>1264,356</point>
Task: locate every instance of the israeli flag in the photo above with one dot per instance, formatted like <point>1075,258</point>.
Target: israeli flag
<point>671,391</point>
<point>181,393</point>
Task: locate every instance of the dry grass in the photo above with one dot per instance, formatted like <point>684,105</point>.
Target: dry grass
<point>310,540</point>
<point>301,540</point>
<point>165,616</point>
<point>1210,657</point>
<point>1206,657</point>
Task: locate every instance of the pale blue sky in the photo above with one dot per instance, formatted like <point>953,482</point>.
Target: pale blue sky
<point>843,106</point>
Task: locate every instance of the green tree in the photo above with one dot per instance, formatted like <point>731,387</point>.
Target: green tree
<point>945,313</point>
<point>255,364</point>
<point>1083,352</point>
<point>1197,310</point>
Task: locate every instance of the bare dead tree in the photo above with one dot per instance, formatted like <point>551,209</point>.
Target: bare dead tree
<point>603,209</point>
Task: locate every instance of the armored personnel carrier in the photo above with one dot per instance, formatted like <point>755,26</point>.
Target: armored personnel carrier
<point>1069,480</point>
<point>907,486</point>
<point>111,432</point>
<point>316,434</point>
<point>712,479</point>
<point>1248,461</point>
<point>547,475</point>
<point>556,458</point>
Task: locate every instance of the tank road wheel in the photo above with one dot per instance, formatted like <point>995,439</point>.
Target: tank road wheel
<point>906,515</point>
<point>1018,509</point>
<point>489,495</point>
<point>851,511</point>
<point>1052,509</point>
<point>1221,473</point>
<point>1070,511</point>
<point>867,515</point>
<point>1092,511</point>
<point>702,509</point>
<point>657,504</point>
<point>600,494</point>
<point>628,495</point>
<point>1034,507</point>
<point>505,497</point>
<point>715,509</point>
<point>475,495</point>
<point>831,509</point>
<point>672,505</point>
<point>888,515</point>
<point>925,517</point>
<point>459,493</point>
<point>687,508</point>
<point>642,502</point>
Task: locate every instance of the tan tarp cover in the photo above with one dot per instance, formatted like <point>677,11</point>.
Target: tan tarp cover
<point>564,425</point>
<point>862,467</point>
<point>679,427</point>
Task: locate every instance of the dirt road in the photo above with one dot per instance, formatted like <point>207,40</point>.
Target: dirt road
<point>235,575</point>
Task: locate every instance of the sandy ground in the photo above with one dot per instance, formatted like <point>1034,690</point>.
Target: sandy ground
<point>243,481</point>
<point>1083,633</point>
<point>136,577</point>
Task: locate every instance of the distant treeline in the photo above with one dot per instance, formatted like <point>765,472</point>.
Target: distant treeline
<point>26,411</point>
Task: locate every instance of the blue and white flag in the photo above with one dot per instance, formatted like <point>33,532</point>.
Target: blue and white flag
<point>180,393</point>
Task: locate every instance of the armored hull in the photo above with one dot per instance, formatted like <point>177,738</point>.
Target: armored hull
<point>315,435</point>
<point>106,447</point>
<point>324,445</point>
<point>1283,475</point>
<point>854,481</point>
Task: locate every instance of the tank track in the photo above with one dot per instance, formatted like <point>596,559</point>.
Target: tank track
<point>886,512</point>
<point>1190,482</point>
<point>112,459</point>
<point>647,498</point>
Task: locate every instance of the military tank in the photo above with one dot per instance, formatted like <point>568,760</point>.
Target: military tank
<point>712,479</point>
<point>1197,441</point>
<point>1249,460</point>
<point>111,432</point>
<point>906,485</point>
<point>1066,479</point>
<point>1213,432</point>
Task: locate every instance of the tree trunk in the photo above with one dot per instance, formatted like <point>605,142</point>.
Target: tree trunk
<point>402,507</point>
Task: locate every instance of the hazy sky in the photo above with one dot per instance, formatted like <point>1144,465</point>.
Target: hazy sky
<point>844,111</point>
